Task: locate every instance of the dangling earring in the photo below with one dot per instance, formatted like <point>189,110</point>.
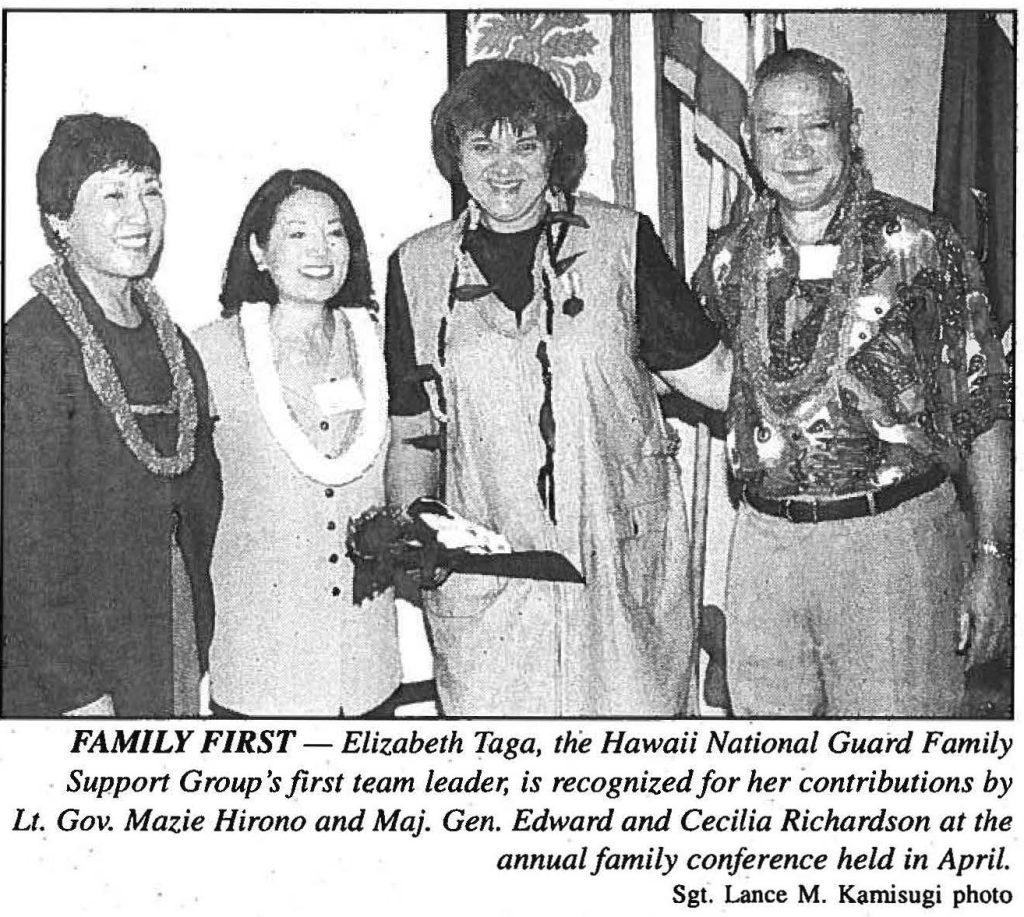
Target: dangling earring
<point>555,199</point>
<point>59,228</point>
<point>473,209</point>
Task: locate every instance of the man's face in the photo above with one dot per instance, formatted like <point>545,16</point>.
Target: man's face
<point>801,141</point>
<point>117,224</point>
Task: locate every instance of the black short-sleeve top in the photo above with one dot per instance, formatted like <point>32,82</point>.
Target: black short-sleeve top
<point>673,332</point>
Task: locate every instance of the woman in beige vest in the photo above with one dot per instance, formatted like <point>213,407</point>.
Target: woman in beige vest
<point>530,326</point>
<point>297,381</point>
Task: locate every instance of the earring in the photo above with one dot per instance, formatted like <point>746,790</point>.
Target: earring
<point>59,228</point>
<point>61,246</point>
<point>474,214</point>
<point>556,200</point>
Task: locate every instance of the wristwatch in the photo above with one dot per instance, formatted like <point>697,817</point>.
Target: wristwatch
<point>993,548</point>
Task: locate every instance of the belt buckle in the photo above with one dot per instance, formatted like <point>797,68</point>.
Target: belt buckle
<point>787,509</point>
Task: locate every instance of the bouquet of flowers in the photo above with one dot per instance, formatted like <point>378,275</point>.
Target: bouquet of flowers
<point>421,545</point>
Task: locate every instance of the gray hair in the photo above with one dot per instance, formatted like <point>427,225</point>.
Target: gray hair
<point>807,63</point>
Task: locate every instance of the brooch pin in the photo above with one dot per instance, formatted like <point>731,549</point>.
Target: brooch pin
<point>573,306</point>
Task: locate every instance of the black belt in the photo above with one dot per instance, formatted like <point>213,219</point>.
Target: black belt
<point>869,504</point>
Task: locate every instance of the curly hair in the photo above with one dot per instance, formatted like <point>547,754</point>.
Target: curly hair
<point>244,282</point>
<point>80,146</point>
<point>493,91</point>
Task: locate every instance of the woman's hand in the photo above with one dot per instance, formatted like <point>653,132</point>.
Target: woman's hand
<point>102,706</point>
<point>409,584</point>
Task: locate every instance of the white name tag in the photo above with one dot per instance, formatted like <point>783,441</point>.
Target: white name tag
<point>339,396</point>
<point>818,262</point>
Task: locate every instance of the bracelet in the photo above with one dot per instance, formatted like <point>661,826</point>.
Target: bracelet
<point>992,548</point>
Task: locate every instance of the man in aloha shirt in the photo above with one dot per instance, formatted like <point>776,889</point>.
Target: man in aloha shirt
<point>866,378</point>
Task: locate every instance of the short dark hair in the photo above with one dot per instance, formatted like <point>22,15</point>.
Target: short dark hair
<point>244,282</point>
<point>807,63</point>
<point>80,146</point>
<point>493,91</point>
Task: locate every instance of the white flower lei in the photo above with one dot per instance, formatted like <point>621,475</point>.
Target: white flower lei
<point>355,461</point>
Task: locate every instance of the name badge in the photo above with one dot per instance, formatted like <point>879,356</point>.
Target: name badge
<point>818,262</point>
<point>339,396</point>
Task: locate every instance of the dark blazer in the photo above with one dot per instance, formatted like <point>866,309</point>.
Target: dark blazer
<point>87,528</point>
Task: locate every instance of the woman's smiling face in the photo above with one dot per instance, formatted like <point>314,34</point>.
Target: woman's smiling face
<point>117,224</point>
<point>307,251</point>
<point>506,172</point>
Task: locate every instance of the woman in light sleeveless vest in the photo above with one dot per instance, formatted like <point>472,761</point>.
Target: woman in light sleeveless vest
<point>530,326</point>
<point>297,381</point>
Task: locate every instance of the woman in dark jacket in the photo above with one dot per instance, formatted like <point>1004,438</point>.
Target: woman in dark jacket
<point>108,455</point>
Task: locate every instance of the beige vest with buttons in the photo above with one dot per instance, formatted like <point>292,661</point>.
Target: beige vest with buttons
<point>287,639</point>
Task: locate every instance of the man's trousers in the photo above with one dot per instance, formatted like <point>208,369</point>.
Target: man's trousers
<point>858,617</point>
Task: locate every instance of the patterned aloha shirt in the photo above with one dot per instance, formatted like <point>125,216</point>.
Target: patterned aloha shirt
<point>859,362</point>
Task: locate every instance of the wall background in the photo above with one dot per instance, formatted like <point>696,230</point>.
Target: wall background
<point>228,99</point>
<point>895,65</point>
